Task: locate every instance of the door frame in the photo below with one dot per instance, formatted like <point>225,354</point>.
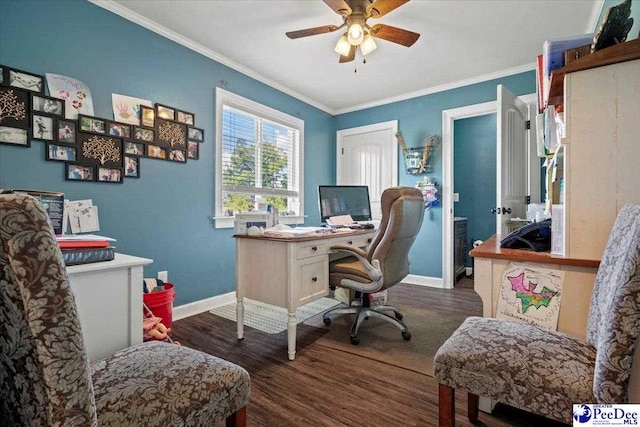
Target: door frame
<point>448,119</point>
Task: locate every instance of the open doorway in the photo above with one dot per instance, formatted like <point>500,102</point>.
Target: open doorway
<point>449,118</point>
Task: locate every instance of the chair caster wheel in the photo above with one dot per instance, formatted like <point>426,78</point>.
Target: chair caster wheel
<point>399,316</point>
<point>326,321</point>
<point>406,335</point>
<point>355,340</point>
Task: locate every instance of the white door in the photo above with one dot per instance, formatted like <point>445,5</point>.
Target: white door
<point>512,159</point>
<point>368,155</point>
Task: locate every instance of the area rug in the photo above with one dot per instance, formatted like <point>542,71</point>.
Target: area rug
<point>272,319</point>
<point>382,341</point>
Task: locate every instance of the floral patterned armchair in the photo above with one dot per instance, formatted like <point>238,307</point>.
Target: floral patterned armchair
<point>46,378</point>
<point>545,371</point>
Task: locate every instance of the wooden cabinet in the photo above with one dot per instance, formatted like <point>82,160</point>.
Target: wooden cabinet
<point>601,152</point>
<point>460,246</point>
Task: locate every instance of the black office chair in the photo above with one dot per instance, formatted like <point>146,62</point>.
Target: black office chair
<point>384,264</point>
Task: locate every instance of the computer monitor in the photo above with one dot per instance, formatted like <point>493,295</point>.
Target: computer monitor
<point>338,200</point>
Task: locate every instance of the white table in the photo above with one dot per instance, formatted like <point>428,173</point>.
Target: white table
<point>109,302</point>
<point>287,272</point>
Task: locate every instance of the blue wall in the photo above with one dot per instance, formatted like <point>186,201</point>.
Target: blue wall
<point>422,116</point>
<point>166,214</point>
<point>474,175</point>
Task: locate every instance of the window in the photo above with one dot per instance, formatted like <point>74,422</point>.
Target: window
<point>258,160</point>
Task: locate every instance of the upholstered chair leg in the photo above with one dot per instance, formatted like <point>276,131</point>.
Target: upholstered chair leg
<point>472,407</point>
<point>446,406</point>
<point>238,418</point>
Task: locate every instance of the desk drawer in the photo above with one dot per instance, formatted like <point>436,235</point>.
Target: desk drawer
<point>314,281</point>
<point>311,249</point>
<point>362,242</point>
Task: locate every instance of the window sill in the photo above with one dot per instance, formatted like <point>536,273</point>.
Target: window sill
<point>228,221</point>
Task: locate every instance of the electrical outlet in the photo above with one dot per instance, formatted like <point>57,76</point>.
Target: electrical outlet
<point>456,197</point>
<point>163,275</point>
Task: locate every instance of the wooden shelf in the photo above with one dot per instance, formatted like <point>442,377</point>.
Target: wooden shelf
<point>622,52</point>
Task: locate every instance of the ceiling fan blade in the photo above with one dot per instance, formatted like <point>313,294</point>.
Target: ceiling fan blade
<point>350,57</point>
<point>380,8</point>
<point>393,34</point>
<point>339,6</point>
<point>311,31</point>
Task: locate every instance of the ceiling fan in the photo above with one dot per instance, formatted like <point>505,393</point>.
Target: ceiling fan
<point>354,15</point>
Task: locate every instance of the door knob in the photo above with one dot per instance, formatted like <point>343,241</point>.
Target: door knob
<point>495,211</point>
<point>506,210</point>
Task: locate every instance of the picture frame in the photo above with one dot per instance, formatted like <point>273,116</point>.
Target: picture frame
<point>15,108</point>
<point>47,105</point>
<point>171,134</point>
<point>195,134</point>
<point>134,148</point>
<point>156,152</point>
<point>90,124</point>
<point>147,116</point>
<point>100,150</point>
<point>42,127</point>
<point>76,172</point>
<point>165,112</point>
<point>131,167</point>
<point>118,129</point>
<point>15,136</point>
<point>186,118</point>
<point>110,175</point>
<point>61,153</point>
<point>193,150</point>
<point>144,134</point>
<point>67,131</point>
<point>23,80</point>
<point>179,156</point>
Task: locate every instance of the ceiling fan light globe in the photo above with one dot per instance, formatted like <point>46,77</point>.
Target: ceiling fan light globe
<point>343,47</point>
<point>355,34</point>
<point>368,45</point>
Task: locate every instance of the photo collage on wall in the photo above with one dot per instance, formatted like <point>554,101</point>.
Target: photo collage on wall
<point>92,148</point>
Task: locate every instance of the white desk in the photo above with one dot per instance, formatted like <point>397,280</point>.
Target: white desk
<point>109,302</point>
<point>287,273</point>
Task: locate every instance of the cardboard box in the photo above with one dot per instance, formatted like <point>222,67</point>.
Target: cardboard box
<point>347,296</point>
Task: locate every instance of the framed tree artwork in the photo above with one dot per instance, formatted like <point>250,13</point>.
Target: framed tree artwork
<point>100,150</point>
<point>14,117</point>
<point>171,134</point>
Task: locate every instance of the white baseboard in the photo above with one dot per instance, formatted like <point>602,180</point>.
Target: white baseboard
<point>197,307</point>
<point>414,279</point>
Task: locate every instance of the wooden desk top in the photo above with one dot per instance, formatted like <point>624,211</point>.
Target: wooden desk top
<point>325,235</point>
<point>490,248</point>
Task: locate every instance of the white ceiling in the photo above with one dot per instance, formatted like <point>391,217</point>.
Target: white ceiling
<point>462,41</point>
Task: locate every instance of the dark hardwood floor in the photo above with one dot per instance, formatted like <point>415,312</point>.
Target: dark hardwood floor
<point>327,387</point>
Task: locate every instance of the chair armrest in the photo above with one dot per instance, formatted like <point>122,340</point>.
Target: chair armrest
<point>372,268</point>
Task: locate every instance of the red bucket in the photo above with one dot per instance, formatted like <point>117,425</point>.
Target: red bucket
<point>161,303</point>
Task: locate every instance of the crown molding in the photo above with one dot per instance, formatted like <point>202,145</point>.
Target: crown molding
<point>149,24</point>
<point>440,88</point>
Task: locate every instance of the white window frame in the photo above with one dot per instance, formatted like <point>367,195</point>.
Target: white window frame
<point>229,99</point>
